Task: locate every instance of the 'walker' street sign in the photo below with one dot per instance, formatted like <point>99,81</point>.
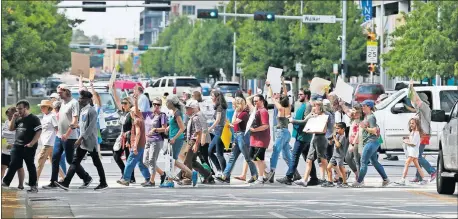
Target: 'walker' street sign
<point>319,19</point>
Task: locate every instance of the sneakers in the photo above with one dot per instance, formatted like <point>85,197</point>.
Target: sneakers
<point>85,184</point>
<point>167,184</point>
<point>257,183</point>
<point>343,185</point>
<point>313,182</point>
<point>285,180</point>
<point>4,185</point>
<point>132,181</point>
<point>163,177</point>
<point>194,178</point>
<point>223,179</point>
<point>300,183</point>
<point>402,182</point>
<point>20,187</point>
<point>101,187</point>
<point>123,182</point>
<point>433,176</point>
<point>62,186</point>
<point>209,180</point>
<point>414,180</point>
<point>297,176</point>
<point>252,179</point>
<point>327,184</point>
<point>149,184</point>
<point>357,184</point>
<point>32,189</point>
<point>270,176</point>
<point>51,185</point>
<point>385,182</point>
<point>423,182</point>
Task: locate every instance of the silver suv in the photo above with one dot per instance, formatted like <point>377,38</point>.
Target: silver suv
<point>447,161</point>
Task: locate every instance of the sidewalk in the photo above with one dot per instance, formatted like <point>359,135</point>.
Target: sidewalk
<point>13,204</point>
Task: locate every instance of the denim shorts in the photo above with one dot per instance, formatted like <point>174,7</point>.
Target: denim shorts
<point>176,148</point>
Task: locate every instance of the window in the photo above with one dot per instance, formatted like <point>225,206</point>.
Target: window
<point>187,82</point>
<point>370,89</point>
<point>156,83</point>
<point>141,22</point>
<point>455,112</point>
<point>189,10</point>
<point>107,100</point>
<point>391,8</point>
<point>374,12</point>
<point>448,99</point>
<point>171,84</point>
<point>163,82</point>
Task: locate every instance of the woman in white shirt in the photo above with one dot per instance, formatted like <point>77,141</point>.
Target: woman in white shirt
<point>8,138</point>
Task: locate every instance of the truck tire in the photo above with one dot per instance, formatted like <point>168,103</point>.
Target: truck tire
<point>444,185</point>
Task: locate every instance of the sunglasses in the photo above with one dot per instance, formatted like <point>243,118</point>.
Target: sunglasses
<point>124,103</point>
<point>156,104</point>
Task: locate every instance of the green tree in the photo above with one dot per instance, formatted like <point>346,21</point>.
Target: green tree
<point>128,66</point>
<point>425,46</point>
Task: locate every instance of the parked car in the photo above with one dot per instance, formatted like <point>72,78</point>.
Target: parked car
<point>393,117</point>
<point>37,89</point>
<point>447,161</point>
<point>289,87</point>
<point>111,115</point>
<point>51,85</point>
<point>173,85</point>
<point>227,87</point>
<point>368,92</point>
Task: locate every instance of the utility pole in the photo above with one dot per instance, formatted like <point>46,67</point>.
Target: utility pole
<point>234,54</point>
<point>344,37</point>
<point>302,7</point>
<point>382,46</point>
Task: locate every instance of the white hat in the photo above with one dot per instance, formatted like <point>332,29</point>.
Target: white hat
<point>192,104</point>
<point>326,102</point>
<point>187,91</point>
<point>62,86</point>
<point>54,95</point>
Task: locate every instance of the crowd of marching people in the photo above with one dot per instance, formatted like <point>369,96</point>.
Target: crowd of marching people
<point>178,129</point>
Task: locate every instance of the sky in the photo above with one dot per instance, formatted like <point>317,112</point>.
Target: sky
<point>114,23</point>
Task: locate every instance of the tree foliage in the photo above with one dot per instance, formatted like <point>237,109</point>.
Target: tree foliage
<point>35,39</point>
<point>425,46</point>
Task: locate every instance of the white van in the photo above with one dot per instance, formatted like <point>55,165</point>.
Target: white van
<point>289,87</point>
<point>393,118</point>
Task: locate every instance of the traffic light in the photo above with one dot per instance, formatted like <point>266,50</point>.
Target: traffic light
<point>371,68</point>
<point>122,47</point>
<point>150,2</point>
<point>207,13</point>
<point>100,51</point>
<point>119,51</point>
<point>95,9</point>
<point>264,16</point>
<point>143,47</point>
<point>371,36</point>
<point>111,46</point>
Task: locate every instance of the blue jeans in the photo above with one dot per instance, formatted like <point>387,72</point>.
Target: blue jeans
<point>300,148</point>
<point>132,161</point>
<point>62,162</point>
<point>243,148</point>
<point>69,148</point>
<point>281,145</point>
<point>216,142</point>
<point>370,154</point>
<point>424,163</point>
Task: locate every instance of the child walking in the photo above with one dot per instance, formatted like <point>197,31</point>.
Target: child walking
<point>337,160</point>
<point>412,149</point>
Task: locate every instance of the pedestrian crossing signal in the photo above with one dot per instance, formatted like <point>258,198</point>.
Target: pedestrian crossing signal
<point>122,47</point>
<point>264,16</point>
<point>207,13</point>
<point>143,47</point>
<point>371,36</point>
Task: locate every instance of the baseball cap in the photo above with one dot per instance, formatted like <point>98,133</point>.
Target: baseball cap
<point>192,104</point>
<point>187,91</point>
<point>369,103</point>
<point>62,87</point>
<point>54,95</point>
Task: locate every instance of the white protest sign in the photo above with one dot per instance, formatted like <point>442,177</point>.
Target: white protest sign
<point>316,124</point>
<point>274,77</point>
<point>250,120</point>
<point>343,90</point>
<point>318,84</point>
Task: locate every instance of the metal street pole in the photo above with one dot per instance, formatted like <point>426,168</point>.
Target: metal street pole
<point>302,7</point>
<point>344,37</point>
<point>224,12</point>
<point>234,54</point>
<point>116,6</point>
<point>382,46</point>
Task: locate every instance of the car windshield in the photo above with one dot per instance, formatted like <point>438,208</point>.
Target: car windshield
<point>389,99</point>
<point>228,86</point>
<point>448,99</point>
<point>187,82</point>
<point>108,105</point>
<point>369,89</point>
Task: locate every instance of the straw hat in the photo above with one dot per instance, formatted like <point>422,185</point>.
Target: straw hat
<point>47,103</point>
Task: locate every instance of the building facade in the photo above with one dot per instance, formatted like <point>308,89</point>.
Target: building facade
<point>151,24</point>
<point>189,8</point>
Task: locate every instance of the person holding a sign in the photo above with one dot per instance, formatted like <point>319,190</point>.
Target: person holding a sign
<point>260,134</point>
<point>370,134</point>
<point>319,143</point>
<point>220,120</point>
<point>283,136</point>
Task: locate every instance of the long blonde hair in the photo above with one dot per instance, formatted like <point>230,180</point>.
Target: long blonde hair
<point>417,124</point>
<point>240,104</point>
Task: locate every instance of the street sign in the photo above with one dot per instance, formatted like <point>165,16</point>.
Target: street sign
<point>335,69</point>
<point>298,66</point>
<point>371,52</point>
<point>239,68</point>
<point>330,19</point>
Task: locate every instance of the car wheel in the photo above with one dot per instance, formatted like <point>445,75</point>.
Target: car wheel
<point>444,185</point>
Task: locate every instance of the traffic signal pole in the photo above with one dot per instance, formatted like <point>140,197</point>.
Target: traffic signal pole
<point>116,6</point>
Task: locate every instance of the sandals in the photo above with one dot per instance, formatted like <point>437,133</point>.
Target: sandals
<point>240,178</point>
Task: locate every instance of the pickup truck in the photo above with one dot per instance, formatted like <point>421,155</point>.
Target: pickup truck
<point>447,161</point>
<point>393,117</point>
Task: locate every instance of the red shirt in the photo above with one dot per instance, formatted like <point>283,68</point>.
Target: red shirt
<point>241,126</point>
<point>260,139</point>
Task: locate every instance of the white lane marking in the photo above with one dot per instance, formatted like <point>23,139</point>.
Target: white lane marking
<point>277,215</point>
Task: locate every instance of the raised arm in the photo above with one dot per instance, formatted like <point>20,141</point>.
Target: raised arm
<point>285,91</point>
<point>116,98</point>
<point>249,102</point>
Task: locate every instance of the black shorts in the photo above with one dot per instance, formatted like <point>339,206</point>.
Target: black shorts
<point>6,159</point>
<point>257,154</point>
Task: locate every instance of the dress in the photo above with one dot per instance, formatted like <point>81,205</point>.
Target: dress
<point>413,151</point>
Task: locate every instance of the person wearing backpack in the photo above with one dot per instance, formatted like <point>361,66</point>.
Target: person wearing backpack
<point>370,138</point>
<point>155,126</point>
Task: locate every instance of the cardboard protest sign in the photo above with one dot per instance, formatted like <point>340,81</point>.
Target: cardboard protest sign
<point>318,85</point>
<point>274,77</point>
<point>316,124</point>
<point>344,91</point>
<point>80,65</point>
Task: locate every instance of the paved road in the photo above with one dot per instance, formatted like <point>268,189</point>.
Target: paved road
<point>239,199</point>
